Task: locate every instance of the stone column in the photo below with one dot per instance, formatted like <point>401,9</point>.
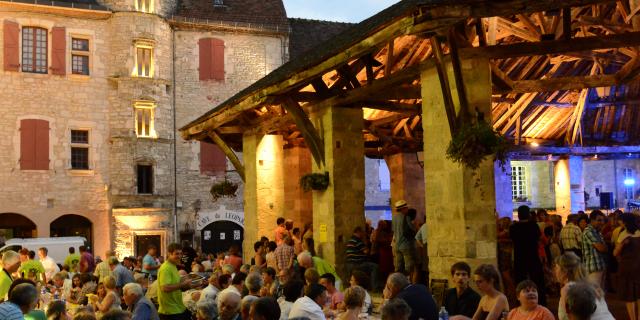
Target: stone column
<point>270,184</point>
<point>460,202</point>
<point>502,180</point>
<point>250,144</point>
<point>407,181</point>
<point>569,185</point>
<point>340,208</point>
<point>297,203</point>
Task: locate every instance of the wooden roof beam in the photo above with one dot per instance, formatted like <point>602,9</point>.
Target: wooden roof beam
<point>629,39</point>
<point>309,132</point>
<point>228,152</point>
<point>561,83</point>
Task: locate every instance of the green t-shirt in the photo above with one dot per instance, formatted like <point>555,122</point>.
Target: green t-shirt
<point>35,315</point>
<point>72,261</point>
<point>5,284</point>
<point>31,269</point>
<point>170,302</point>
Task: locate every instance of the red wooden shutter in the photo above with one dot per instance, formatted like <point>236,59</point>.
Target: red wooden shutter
<point>212,160</point>
<point>34,144</point>
<point>11,31</point>
<point>205,59</point>
<point>217,63</point>
<point>42,145</point>
<point>58,51</point>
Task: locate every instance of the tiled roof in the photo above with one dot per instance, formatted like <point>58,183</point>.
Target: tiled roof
<point>307,34</point>
<point>261,12</point>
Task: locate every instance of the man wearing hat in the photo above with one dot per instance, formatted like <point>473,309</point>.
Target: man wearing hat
<point>403,245</point>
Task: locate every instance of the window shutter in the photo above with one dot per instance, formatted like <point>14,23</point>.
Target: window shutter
<point>42,145</point>
<point>212,160</point>
<point>217,67</point>
<point>58,51</point>
<point>11,31</point>
<point>28,144</point>
<point>205,59</point>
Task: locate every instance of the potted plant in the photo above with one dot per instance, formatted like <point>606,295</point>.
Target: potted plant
<point>223,188</point>
<point>472,143</point>
<point>315,181</point>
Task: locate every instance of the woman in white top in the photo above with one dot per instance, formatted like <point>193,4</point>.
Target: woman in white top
<point>569,270</point>
<point>111,299</point>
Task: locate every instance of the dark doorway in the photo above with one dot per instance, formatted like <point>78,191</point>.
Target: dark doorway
<point>16,225</point>
<point>72,225</point>
<point>220,235</point>
<point>143,241</point>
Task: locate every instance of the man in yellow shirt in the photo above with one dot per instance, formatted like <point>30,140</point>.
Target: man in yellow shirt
<point>30,268</point>
<point>10,263</point>
<point>170,287</point>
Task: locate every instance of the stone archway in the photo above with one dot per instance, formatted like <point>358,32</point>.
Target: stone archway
<point>16,225</point>
<point>72,225</point>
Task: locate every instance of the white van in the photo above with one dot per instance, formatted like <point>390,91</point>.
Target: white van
<point>58,247</point>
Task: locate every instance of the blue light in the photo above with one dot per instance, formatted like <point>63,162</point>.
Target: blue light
<point>629,182</point>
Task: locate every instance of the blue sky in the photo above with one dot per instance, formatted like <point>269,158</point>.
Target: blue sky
<point>335,10</point>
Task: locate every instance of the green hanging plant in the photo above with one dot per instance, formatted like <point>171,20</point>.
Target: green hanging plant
<point>223,188</point>
<point>315,181</point>
<point>472,143</point>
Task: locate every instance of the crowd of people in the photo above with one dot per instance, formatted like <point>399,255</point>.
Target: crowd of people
<point>286,279</point>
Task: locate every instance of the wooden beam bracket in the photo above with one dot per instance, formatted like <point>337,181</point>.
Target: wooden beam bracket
<point>309,132</point>
<point>228,152</point>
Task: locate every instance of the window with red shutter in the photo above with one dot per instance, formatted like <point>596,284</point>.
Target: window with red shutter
<point>211,59</point>
<point>11,50</point>
<point>212,160</point>
<point>58,51</point>
<point>34,144</point>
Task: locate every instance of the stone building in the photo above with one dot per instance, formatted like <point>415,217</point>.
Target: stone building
<point>92,96</point>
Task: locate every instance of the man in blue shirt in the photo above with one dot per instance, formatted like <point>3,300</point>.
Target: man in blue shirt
<point>122,274</point>
<point>150,264</point>
<point>22,299</point>
<point>139,306</point>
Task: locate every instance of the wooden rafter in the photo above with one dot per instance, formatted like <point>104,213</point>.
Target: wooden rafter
<point>309,132</point>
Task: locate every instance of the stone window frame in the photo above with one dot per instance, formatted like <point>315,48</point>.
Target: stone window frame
<point>144,6</point>
<point>143,44</point>
<point>88,146</point>
<point>150,232</point>
<point>80,53</point>
<point>140,106</point>
<point>519,188</point>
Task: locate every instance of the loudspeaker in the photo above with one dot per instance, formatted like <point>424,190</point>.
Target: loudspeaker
<point>606,200</point>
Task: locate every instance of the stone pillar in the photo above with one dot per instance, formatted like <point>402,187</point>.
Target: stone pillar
<point>460,202</point>
<point>502,180</point>
<point>340,208</point>
<point>270,184</point>
<point>569,185</point>
<point>297,203</point>
<point>407,181</point>
<point>250,144</point>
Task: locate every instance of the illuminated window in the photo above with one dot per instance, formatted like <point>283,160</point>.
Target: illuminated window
<point>144,113</point>
<point>629,183</point>
<point>518,183</point>
<point>80,56</point>
<point>144,5</point>
<point>34,50</point>
<point>143,61</point>
<point>80,149</point>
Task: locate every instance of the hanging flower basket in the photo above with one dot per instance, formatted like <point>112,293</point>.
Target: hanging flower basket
<point>471,144</point>
<point>223,189</point>
<point>315,181</point>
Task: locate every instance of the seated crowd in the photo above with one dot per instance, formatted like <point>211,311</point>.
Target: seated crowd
<point>286,279</point>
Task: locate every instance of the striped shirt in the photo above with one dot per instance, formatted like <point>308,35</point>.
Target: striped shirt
<point>10,311</point>
<point>593,259</point>
<point>571,237</point>
<point>355,250</point>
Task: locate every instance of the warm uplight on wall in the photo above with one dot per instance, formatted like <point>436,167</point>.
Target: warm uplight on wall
<point>535,144</point>
<point>595,156</point>
<point>629,182</point>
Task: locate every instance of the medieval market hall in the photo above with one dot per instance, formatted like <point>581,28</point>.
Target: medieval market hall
<point>432,133</point>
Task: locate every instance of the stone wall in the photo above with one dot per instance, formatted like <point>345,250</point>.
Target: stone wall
<point>67,102</point>
<point>608,176</point>
<point>375,196</point>
<point>540,184</point>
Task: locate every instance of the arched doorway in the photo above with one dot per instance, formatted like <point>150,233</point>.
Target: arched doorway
<point>72,225</point>
<point>15,225</point>
<point>220,235</point>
